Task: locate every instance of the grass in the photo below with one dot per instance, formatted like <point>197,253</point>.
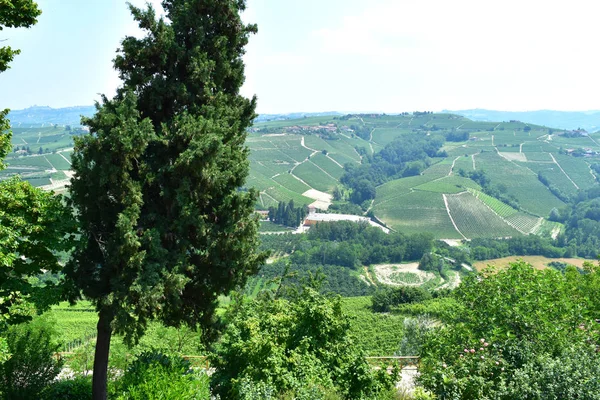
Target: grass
<point>379,334</point>
<point>449,184</point>
<point>538,262</point>
<point>405,277</point>
<point>474,219</point>
<point>500,208</point>
<point>315,177</point>
<point>520,182</point>
<point>417,212</point>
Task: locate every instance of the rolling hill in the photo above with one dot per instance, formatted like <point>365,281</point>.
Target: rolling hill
<point>531,169</point>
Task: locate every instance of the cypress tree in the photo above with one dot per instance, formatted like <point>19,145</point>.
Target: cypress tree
<point>164,226</point>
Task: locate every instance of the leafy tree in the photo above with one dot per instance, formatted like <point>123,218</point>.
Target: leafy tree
<point>513,332</point>
<point>34,225</point>
<point>164,228</point>
<point>384,298</point>
<point>32,365</point>
<point>300,348</point>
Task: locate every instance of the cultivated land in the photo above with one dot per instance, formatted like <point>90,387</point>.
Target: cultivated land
<point>303,160</point>
<point>538,262</point>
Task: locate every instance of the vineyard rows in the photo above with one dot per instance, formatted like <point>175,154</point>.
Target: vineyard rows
<point>474,219</point>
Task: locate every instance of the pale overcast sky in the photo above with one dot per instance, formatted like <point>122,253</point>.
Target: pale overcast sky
<point>344,55</point>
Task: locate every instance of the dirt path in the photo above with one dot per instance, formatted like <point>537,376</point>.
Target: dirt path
<point>563,171</point>
<point>450,215</point>
<point>306,147</point>
<point>592,139</point>
<point>451,283</point>
<point>452,167</point>
<point>473,158</point>
<point>368,276</point>
<point>66,159</point>
<point>325,172</point>
<point>338,164</point>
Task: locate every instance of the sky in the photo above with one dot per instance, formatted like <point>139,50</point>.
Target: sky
<point>342,55</point>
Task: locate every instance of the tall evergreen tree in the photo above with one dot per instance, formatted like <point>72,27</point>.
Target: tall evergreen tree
<point>165,228</point>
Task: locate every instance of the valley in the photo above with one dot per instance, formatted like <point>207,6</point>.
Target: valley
<point>529,170</point>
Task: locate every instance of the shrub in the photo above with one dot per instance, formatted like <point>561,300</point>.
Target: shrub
<point>154,375</point>
<point>384,299</point>
<point>297,348</point>
<point>32,364</point>
<point>415,331</point>
<point>541,337</point>
<point>77,388</point>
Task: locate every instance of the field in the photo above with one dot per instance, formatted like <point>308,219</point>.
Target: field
<point>538,262</point>
<point>474,219</point>
<point>289,158</point>
<point>379,334</point>
<point>417,211</point>
<point>41,155</point>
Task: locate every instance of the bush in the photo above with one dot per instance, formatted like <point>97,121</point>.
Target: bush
<point>518,333</point>
<point>77,388</point>
<point>297,349</point>
<point>32,364</point>
<point>155,375</point>
<point>415,331</point>
<point>384,299</point>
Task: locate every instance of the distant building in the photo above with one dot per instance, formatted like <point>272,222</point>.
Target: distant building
<point>314,218</point>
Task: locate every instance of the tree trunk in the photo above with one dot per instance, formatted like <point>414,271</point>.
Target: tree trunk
<point>99,378</point>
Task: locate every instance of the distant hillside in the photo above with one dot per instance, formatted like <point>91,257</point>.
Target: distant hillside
<point>72,115</point>
<point>489,179</point>
<point>296,115</point>
<point>588,120</point>
<point>49,115</point>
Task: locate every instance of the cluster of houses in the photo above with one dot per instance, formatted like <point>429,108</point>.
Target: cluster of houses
<point>312,128</point>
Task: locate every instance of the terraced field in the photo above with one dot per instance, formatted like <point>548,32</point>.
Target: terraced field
<point>417,212</point>
<point>291,157</point>
<point>474,219</point>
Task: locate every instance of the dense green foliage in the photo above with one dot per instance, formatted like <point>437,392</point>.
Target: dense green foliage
<point>288,214</point>
<point>154,375</point>
<point>407,155</point>
<point>34,226</point>
<point>164,228</point>
<point>515,331</point>
<point>383,299</point>
<point>300,348</point>
<point>76,388</point>
<point>378,334</point>
<point>32,365</point>
<point>490,188</point>
<point>339,250</point>
<point>485,249</point>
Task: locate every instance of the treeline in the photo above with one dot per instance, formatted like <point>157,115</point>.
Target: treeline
<point>530,245</point>
<point>582,223</point>
<point>497,191</point>
<point>407,155</point>
<point>339,249</point>
<point>455,136</point>
<point>553,188</point>
<point>386,297</point>
<point>288,214</point>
